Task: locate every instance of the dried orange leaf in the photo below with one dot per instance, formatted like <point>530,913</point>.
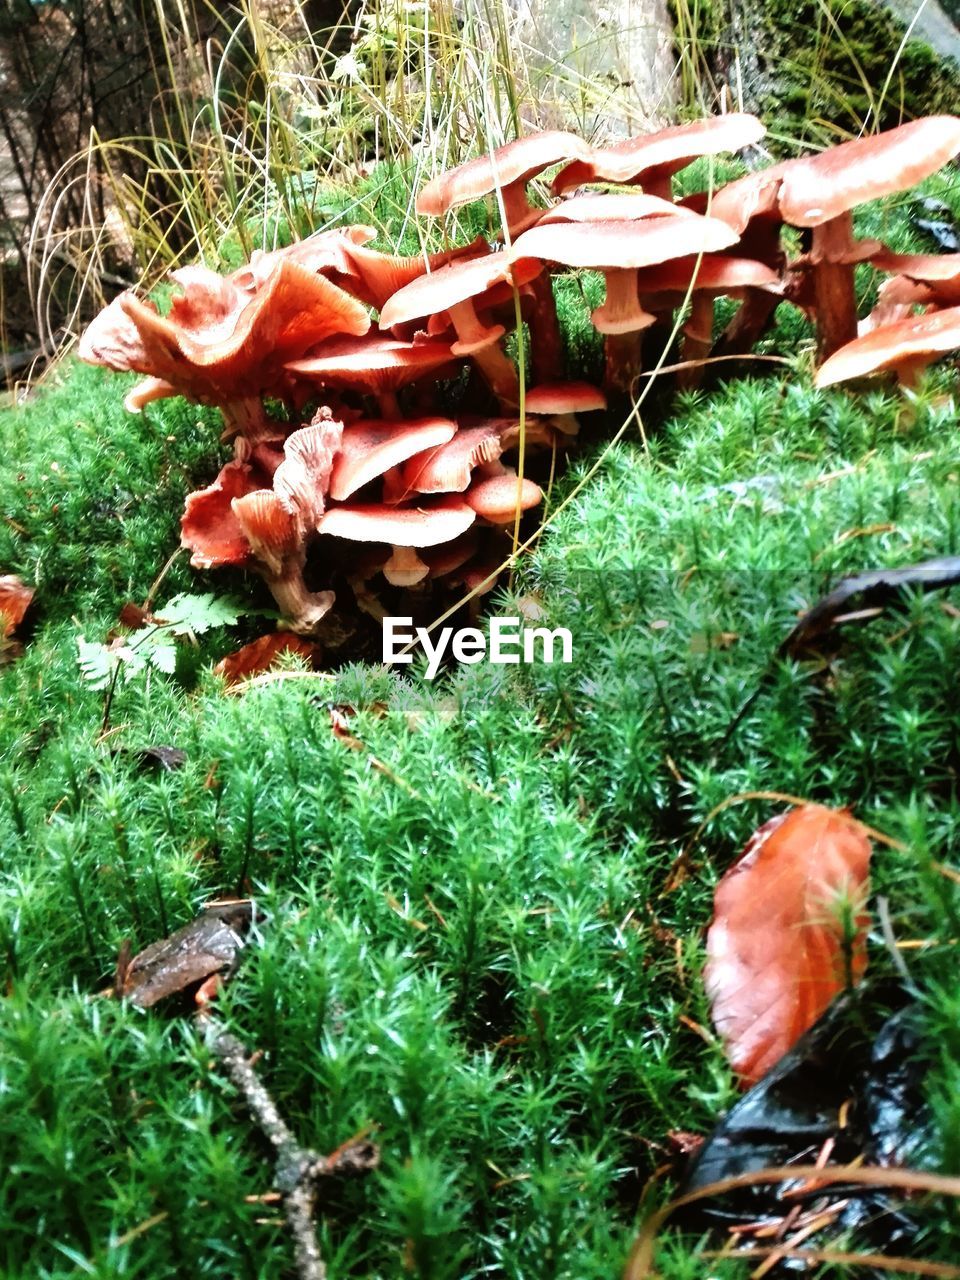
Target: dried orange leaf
<point>15,597</point>
<point>260,655</point>
<point>788,933</point>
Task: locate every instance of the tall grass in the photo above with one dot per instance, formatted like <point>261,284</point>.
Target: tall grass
<point>272,129</point>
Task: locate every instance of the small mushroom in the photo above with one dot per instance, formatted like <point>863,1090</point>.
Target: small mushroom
<point>269,527</point>
<point>898,298</point>
<point>537,431</point>
<point>278,544</point>
<point>508,169</point>
<point>499,498</point>
<point>652,159</point>
<point>821,191</point>
<point>905,348</point>
<point>369,449</point>
<point>376,364</point>
<point>404,528</point>
<point>619,249</point>
<point>458,290</point>
<point>562,401</point>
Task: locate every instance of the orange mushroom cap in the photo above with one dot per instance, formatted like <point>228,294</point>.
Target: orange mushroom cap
<point>716,272</point>
<point>375,362</point>
<point>926,267</point>
<point>904,347</point>
<point>424,525</point>
<point>371,448</point>
<point>656,156</point>
<point>457,282</point>
<point>564,398</point>
<point>616,207</point>
<point>209,526</point>
<point>818,188</point>
<point>618,248</point>
<point>515,162</point>
<point>448,469</point>
<point>624,245</point>
<point>497,498</point>
<point>376,277</point>
<point>220,343</point>
<point>450,556</point>
<point>737,203</point>
<point>302,481</point>
<point>323,253</point>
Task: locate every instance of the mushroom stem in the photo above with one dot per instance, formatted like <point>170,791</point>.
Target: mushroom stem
<point>301,609</point>
<point>546,343</point>
<point>481,343</point>
<point>622,318</point>
<point>500,374</point>
<point>405,568</point>
<point>697,338</point>
<point>366,600</point>
<point>834,297</point>
<point>389,404</point>
<point>621,311</point>
<point>623,360</point>
<point>748,325</point>
<point>470,329</point>
<point>909,371</point>
<point>246,419</point>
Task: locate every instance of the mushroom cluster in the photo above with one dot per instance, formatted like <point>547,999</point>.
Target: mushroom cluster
<point>379,480</point>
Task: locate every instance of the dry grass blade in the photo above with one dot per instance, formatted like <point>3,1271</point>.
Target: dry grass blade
<point>837,1257</point>
<point>275,677</point>
<point>640,1263</point>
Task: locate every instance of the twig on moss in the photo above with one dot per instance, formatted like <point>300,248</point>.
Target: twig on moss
<point>298,1169</point>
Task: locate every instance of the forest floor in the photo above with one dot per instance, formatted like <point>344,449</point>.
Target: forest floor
<point>461,933</point>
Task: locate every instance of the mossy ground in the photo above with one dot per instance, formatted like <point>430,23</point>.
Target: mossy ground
<point>470,951</point>
<point>821,69</point>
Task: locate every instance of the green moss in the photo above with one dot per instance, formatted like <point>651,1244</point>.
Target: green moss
<point>463,959</point>
<point>819,68</point>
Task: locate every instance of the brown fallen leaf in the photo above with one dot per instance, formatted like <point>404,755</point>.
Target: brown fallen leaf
<point>860,596</point>
<point>134,617</point>
<point>260,655</point>
<point>203,948</point>
<point>15,598</point>
<point>788,933</point>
